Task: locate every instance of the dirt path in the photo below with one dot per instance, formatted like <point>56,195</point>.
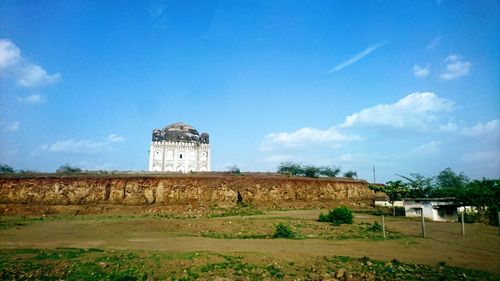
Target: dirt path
<point>480,249</point>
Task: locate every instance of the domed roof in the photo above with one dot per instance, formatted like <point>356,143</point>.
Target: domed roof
<point>181,127</point>
<point>179,132</point>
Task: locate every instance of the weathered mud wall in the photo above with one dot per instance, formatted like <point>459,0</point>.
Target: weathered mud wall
<point>91,194</point>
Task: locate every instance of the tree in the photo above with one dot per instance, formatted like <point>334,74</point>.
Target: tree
<point>418,186</point>
<point>68,169</point>
<point>328,171</point>
<point>234,169</point>
<point>351,174</point>
<point>448,183</point>
<point>311,171</point>
<point>6,169</point>
<point>395,190</point>
<point>290,168</point>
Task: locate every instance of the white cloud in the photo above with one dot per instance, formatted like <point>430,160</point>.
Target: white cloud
<point>421,72</point>
<point>76,146</point>
<point>433,44</point>
<point>479,129</point>
<point>455,68</point>
<point>357,57</point>
<point>32,75</point>
<point>14,126</point>
<point>9,54</point>
<point>25,73</point>
<point>429,148</point>
<point>82,146</point>
<point>414,110</point>
<point>115,138</point>
<point>31,99</point>
<point>305,136</point>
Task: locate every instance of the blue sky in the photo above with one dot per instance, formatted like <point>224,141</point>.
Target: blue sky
<point>405,86</point>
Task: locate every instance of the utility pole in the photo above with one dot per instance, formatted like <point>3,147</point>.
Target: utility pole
<point>374,181</point>
<point>423,222</point>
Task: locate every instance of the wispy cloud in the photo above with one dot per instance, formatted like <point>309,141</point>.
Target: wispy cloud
<point>414,110</point>
<point>14,126</point>
<point>421,72</point>
<point>82,146</point>
<point>357,57</point>
<point>115,138</point>
<point>430,148</point>
<point>31,99</point>
<point>480,129</point>
<point>433,44</point>
<point>305,136</point>
<point>24,72</point>
<point>455,68</point>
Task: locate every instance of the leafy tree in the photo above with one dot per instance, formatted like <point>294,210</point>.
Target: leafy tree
<point>311,171</point>
<point>234,169</point>
<point>328,171</point>
<point>448,183</point>
<point>68,169</point>
<point>291,169</point>
<point>6,169</point>
<point>351,174</point>
<point>418,185</point>
<point>395,190</point>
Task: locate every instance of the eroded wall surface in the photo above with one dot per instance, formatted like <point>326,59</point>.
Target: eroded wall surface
<point>98,194</point>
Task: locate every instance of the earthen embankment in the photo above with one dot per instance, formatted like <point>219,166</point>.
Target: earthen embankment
<point>107,193</point>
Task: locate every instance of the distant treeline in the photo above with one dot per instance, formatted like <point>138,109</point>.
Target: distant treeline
<point>311,171</point>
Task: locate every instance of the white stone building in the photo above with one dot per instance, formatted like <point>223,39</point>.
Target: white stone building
<point>179,148</point>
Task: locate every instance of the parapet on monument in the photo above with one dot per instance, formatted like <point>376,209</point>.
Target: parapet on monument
<point>179,148</point>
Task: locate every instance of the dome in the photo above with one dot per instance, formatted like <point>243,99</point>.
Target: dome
<point>179,132</point>
<point>181,127</point>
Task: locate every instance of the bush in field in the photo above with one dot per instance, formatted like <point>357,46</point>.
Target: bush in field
<point>376,227</point>
<point>284,231</point>
<point>341,215</point>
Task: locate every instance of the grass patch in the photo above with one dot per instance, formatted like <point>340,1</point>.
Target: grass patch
<point>239,210</point>
<point>218,235</point>
<point>86,264</point>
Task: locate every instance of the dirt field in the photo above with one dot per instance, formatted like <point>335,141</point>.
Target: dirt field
<point>249,238</point>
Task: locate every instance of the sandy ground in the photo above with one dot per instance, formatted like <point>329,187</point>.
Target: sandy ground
<point>479,249</point>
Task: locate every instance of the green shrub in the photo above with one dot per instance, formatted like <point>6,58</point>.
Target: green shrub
<point>492,214</point>
<point>400,211</point>
<point>341,215</point>
<point>376,227</point>
<point>469,217</point>
<point>284,231</point>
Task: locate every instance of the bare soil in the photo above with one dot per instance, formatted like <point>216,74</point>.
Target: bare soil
<point>479,249</point>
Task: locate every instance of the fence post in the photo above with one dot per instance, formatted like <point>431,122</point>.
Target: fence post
<point>423,222</point>
<point>463,223</point>
<point>383,226</point>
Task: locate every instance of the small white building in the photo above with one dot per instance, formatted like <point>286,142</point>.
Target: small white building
<point>179,148</point>
<point>435,209</point>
